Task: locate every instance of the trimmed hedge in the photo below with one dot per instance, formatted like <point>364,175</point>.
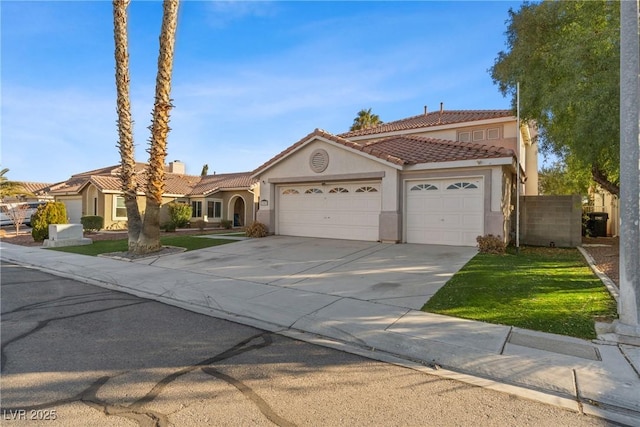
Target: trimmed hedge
<point>92,222</point>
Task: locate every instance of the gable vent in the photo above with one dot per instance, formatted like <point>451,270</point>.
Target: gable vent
<point>319,160</point>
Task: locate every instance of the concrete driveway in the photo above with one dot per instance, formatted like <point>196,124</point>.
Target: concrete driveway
<point>403,275</point>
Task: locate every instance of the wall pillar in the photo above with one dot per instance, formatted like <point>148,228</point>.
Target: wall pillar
<point>628,325</point>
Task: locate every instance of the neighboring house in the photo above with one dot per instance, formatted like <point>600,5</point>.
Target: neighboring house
<point>213,197</point>
<point>438,178</point>
<point>600,200</point>
<point>35,192</point>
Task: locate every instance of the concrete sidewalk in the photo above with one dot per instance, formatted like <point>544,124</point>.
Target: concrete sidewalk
<point>364,298</point>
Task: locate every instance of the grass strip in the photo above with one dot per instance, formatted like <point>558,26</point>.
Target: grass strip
<point>106,246</point>
<point>543,289</point>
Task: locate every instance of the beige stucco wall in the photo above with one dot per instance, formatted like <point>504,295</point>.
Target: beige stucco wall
<point>228,199</point>
<point>344,165</point>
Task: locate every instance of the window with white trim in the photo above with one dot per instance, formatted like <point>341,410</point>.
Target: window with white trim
<point>196,209</point>
<point>214,209</point>
<point>119,208</point>
<point>493,133</point>
<point>478,135</point>
<point>290,191</point>
<point>464,136</point>
<point>313,191</point>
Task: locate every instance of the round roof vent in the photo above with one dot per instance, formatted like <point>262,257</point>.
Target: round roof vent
<point>319,160</point>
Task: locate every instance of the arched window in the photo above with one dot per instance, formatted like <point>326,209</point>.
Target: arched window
<point>313,191</point>
<point>423,187</point>
<point>338,190</point>
<point>289,191</point>
<point>367,189</point>
<point>461,185</point>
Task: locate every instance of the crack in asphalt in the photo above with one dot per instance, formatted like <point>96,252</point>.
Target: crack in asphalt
<point>248,392</point>
<point>67,301</point>
<point>43,323</point>
<point>149,418</point>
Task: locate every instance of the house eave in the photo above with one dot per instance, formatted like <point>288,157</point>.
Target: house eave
<point>500,161</point>
<point>435,128</point>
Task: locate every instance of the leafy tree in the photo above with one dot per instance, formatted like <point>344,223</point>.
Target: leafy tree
<point>563,179</point>
<point>566,57</point>
<point>10,188</point>
<point>365,119</point>
<point>144,235</point>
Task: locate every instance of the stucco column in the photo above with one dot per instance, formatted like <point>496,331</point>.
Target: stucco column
<point>628,325</point>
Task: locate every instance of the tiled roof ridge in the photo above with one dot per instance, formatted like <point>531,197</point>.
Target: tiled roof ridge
<point>433,118</point>
<point>448,142</point>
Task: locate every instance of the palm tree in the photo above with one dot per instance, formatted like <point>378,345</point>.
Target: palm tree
<point>149,239</point>
<point>125,123</point>
<point>10,188</point>
<point>365,120</point>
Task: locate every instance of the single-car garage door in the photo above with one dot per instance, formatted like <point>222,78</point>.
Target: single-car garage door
<point>332,210</point>
<point>74,210</point>
<point>445,212</point>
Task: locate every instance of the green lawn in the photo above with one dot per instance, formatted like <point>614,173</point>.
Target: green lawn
<point>543,289</point>
<point>106,246</point>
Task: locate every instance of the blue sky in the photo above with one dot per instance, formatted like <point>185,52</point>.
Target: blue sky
<point>250,78</point>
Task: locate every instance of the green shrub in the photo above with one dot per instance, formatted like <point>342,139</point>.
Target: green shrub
<point>257,229</point>
<point>92,222</point>
<point>491,244</point>
<point>49,213</point>
<point>226,223</point>
<point>180,214</point>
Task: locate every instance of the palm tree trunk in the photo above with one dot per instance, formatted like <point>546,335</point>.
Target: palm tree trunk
<point>149,239</point>
<point>125,123</point>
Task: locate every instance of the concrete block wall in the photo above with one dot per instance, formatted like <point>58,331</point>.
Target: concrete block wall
<point>546,220</point>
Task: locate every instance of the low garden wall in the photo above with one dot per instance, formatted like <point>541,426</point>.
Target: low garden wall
<point>551,220</point>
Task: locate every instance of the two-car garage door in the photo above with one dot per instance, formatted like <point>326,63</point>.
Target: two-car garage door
<point>437,211</point>
<point>340,210</point>
<point>444,212</point>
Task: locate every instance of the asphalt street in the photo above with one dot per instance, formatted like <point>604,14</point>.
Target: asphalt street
<point>79,355</point>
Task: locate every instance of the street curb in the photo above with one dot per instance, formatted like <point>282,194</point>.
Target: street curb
<point>608,283</point>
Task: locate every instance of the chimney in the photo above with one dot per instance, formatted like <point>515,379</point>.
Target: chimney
<point>425,110</point>
<point>441,107</point>
<point>177,167</point>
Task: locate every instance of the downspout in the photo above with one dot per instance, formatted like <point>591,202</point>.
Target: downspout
<point>518,167</point>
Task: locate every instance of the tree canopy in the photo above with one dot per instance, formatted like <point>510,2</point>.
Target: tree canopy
<point>365,119</point>
<point>566,57</point>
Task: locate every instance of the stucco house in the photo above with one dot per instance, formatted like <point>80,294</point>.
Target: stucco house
<point>213,198</point>
<point>443,177</point>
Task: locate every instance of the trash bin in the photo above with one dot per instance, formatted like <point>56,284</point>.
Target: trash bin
<point>597,224</point>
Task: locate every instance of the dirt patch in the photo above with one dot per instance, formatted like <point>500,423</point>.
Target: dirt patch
<point>605,251</point>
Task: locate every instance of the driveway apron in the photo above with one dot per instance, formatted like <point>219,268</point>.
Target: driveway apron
<point>399,275</point>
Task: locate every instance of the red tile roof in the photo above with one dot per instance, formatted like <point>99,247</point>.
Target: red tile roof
<point>447,117</point>
<point>36,187</point>
<point>411,150</point>
<point>107,179</point>
<point>404,149</point>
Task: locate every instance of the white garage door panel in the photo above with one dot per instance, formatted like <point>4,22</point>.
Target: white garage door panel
<point>342,210</point>
<point>74,210</point>
<point>445,212</point>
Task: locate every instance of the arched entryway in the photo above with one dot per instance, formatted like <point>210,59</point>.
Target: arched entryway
<point>239,210</point>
